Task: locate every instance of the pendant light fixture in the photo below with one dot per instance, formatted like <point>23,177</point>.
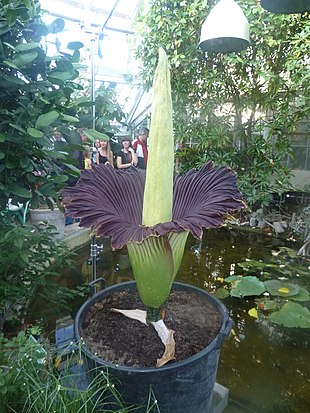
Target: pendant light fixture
<point>286,6</point>
<point>226,29</point>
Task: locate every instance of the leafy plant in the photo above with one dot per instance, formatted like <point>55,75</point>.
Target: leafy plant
<point>35,99</point>
<point>30,382</point>
<point>239,108</point>
<point>30,263</point>
<point>107,109</point>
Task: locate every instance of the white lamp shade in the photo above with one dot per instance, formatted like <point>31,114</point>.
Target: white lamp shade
<point>286,6</point>
<point>225,30</point>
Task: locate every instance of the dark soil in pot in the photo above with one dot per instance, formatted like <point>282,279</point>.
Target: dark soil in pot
<point>125,342</point>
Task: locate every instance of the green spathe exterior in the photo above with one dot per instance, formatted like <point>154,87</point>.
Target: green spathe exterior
<point>157,203</point>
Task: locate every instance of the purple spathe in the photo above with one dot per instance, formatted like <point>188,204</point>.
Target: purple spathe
<point>110,201</point>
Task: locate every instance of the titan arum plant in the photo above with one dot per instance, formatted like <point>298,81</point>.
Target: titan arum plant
<point>153,212</point>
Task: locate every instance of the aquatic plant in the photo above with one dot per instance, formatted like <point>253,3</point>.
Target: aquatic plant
<point>278,286</point>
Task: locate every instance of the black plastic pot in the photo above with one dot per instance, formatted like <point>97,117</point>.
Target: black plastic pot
<point>180,387</point>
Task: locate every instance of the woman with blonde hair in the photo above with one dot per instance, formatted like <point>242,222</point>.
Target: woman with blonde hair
<point>104,154</point>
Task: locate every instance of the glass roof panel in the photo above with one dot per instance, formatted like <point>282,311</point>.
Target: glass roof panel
<point>106,30</point>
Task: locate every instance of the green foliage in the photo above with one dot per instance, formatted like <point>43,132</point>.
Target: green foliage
<point>30,263</point>
<point>35,98</point>
<point>283,289</point>
<point>107,109</point>
<point>239,108</point>
<point>292,315</point>
<point>31,383</point>
<point>245,286</point>
<point>17,356</point>
<point>285,286</point>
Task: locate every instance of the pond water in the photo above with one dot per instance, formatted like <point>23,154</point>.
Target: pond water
<point>265,367</point>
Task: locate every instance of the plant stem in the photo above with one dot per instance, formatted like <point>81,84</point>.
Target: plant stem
<point>153,314</point>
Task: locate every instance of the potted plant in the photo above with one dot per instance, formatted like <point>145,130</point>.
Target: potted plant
<point>152,213</point>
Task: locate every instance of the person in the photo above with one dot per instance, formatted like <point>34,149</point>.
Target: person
<point>126,157</point>
<point>140,147</point>
<point>87,159</point>
<point>94,151</point>
<point>104,154</point>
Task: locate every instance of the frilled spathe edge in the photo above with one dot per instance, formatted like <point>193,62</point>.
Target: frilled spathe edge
<point>109,201</point>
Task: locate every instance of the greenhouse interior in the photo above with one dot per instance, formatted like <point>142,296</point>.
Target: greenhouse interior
<point>155,206</point>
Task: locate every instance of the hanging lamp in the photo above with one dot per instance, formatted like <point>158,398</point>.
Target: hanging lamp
<point>225,30</point>
<point>286,6</point>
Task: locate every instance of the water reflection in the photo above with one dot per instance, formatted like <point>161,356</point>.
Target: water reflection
<point>265,367</point>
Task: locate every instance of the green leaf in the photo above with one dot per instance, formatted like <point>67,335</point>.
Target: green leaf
<point>60,179</point>
<point>24,256</point>
<point>11,163</point>
<point>282,289</point>
<point>2,137</point>
<point>75,45</point>
<point>47,119</point>
<point>59,75</point>
<point>76,57</point>
<point>10,64</point>
<point>3,28</point>
<point>247,286</point>
<point>303,295</point>
<point>56,26</point>
<point>22,47</point>
<point>35,133</point>
<point>270,305</point>
<point>20,191</point>
<point>232,278</point>
<point>292,315</point>
<point>18,128</point>
<point>69,118</point>
<point>92,134</point>
<point>18,242</point>
<point>23,59</point>
<point>14,80</point>
<point>24,162</point>
<point>222,293</point>
<point>73,169</point>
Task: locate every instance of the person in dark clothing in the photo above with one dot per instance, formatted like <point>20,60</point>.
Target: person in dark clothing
<point>126,157</point>
<point>104,154</point>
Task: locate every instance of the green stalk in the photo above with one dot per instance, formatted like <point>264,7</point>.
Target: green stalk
<point>157,203</point>
<point>153,314</point>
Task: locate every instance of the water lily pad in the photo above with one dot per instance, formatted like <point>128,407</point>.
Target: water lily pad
<point>283,289</point>
<point>270,305</point>
<point>292,315</point>
<point>222,293</point>
<point>265,304</point>
<point>233,278</point>
<point>303,295</point>
<point>247,286</point>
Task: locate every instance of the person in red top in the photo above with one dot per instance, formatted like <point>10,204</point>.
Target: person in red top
<point>140,147</point>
